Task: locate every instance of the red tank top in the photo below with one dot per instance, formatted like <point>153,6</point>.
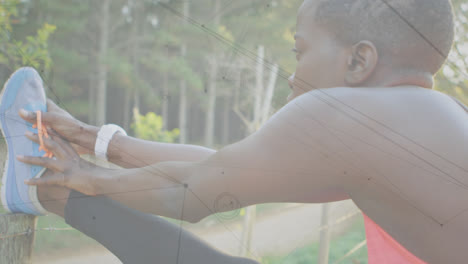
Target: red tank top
<point>383,249</point>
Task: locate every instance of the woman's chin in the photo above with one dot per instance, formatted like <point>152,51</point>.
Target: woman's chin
<point>290,97</point>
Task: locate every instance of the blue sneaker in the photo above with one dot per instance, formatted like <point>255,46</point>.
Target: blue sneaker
<point>24,90</point>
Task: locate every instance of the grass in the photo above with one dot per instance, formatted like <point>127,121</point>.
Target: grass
<point>50,241</point>
<point>338,248</point>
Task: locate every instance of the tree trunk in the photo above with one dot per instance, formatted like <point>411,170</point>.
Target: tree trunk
<point>210,112</point>
<point>92,99</point>
<point>259,101</point>
<point>165,102</point>
<point>127,110</point>
<point>226,119</point>
<point>259,86</point>
<point>134,53</point>
<point>212,87</point>
<point>136,99</point>
<point>183,113</point>
<point>101,100</point>
<point>266,108</point>
<point>183,89</point>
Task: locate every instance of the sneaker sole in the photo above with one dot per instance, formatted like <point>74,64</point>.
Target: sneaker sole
<point>5,167</point>
<point>5,179</point>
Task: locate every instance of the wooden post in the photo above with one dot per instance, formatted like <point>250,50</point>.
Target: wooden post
<point>251,211</point>
<point>16,231</point>
<point>16,238</point>
<point>247,231</point>
<point>324,235</point>
<point>261,112</point>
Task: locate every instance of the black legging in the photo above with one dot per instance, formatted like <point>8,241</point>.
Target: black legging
<point>135,237</point>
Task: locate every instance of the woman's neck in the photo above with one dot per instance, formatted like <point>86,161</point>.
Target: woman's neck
<point>404,78</point>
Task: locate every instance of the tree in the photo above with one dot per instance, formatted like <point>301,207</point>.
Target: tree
<point>28,51</point>
<point>453,78</point>
<point>150,127</point>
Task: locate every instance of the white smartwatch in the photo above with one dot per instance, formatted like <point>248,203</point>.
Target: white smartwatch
<point>104,136</point>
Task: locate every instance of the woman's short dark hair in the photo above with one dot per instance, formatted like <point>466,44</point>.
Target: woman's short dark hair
<point>409,33</point>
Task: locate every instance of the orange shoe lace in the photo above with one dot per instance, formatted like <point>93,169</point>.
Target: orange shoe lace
<point>42,131</point>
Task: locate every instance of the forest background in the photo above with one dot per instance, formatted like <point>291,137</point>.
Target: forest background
<point>173,70</point>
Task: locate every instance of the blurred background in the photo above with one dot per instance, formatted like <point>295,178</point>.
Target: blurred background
<point>205,72</point>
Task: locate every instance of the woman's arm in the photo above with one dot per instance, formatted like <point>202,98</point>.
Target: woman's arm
<point>293,158</point>
<point>129,152</point>
<point>125,151</point>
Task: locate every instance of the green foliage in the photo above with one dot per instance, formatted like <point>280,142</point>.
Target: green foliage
<point>150,127</point>
<point>33,51</point>
<point>453,78</point>
<point>8,9</point>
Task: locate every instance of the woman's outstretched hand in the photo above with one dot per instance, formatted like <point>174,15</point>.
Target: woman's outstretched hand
<point>81,135</point>
<point>68,169</point>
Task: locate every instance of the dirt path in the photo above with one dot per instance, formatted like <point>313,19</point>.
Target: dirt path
<point>277,232</point>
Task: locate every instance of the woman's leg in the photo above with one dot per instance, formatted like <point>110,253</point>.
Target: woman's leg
<point>135,237</point>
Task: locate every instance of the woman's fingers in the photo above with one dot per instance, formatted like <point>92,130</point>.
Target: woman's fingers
<point>53,179</point>
<point>70,181</point>
<point>50,144</point>
<point>46,117</point>
<point>64,145</point>
<point>61,179</point>
<point>43,162</point>
<point>27,115</point>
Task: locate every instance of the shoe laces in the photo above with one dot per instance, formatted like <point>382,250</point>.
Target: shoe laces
<point>42,132</point>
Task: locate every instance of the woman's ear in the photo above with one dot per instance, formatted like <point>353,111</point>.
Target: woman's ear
<point>361,63</point>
